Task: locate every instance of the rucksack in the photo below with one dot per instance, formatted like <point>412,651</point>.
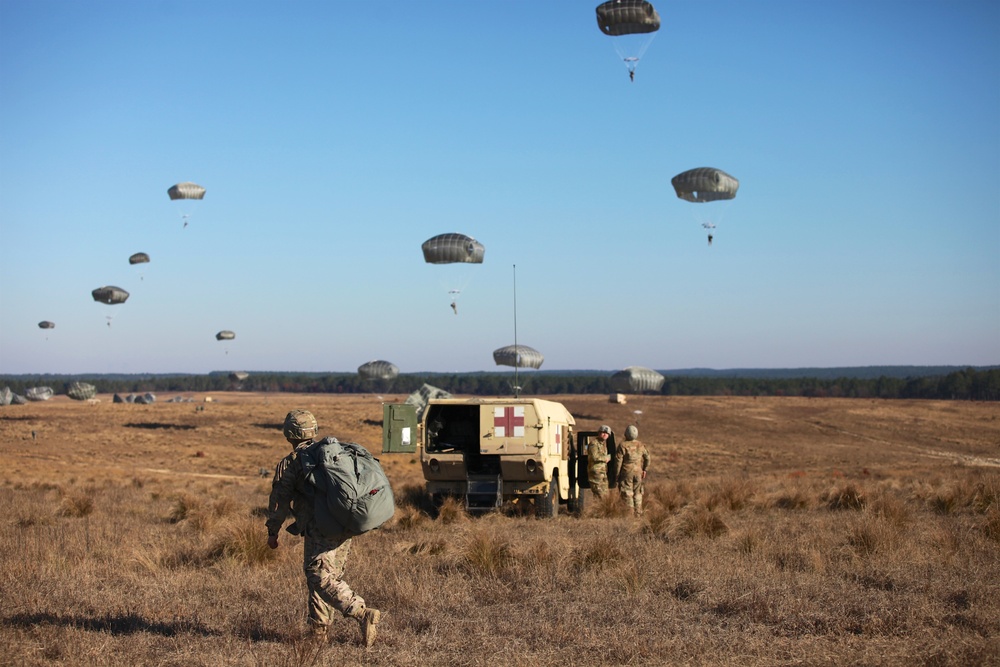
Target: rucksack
<point>353,492</point>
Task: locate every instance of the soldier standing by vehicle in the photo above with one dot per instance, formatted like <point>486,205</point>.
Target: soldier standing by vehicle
<point>632,460</point>
<point>325,556</point>
<point>597,462</point>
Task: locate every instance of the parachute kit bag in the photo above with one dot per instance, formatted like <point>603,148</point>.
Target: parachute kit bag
<point>353,492</point>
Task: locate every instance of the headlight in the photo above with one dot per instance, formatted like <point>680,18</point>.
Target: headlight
<point>434,465</point>
<point>531,465</point>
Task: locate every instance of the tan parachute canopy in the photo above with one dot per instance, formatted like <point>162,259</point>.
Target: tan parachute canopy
<point>636,380</point>
<point>225,334</point>
<point>186,190</point>
<point>705,184</point>
<point>518,356</point>
<point>452,248</point>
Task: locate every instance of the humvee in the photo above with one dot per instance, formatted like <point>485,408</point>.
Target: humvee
<point>489,451</point>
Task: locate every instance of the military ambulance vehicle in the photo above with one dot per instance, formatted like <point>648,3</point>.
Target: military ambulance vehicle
<point>488,451</point>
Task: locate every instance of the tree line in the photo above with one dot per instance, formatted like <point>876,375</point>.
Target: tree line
<point>967,384</point>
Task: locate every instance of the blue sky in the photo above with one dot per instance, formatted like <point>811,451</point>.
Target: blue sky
<point>335,137</point>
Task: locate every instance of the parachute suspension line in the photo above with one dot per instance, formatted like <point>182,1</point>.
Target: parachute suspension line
<point>632,51</point>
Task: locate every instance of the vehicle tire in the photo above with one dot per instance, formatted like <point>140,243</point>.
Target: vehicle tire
<point>547,506</point>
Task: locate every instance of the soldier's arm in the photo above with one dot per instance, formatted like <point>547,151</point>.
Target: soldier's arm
<point>279,504</point>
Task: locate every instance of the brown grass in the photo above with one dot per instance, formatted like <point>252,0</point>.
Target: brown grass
<point>776,531</point>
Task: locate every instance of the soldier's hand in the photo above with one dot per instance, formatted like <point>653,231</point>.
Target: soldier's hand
<point>644,474</point>
<point>272,541</point>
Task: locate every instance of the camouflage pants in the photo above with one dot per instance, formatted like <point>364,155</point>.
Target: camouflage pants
<point>630,488</point>
<point>324,562</point>
<point>598,483</point>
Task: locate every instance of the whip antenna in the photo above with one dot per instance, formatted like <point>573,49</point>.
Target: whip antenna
<point>517,351</point>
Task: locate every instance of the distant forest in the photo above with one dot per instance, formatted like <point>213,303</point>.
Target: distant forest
<point>947,383</point>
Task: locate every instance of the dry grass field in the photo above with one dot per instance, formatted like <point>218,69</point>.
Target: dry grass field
<point>778,531</point>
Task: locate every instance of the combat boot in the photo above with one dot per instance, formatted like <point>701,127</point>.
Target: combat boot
<point>317,633</point>
<point>368,619</point>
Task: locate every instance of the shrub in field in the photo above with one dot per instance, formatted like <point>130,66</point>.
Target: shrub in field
<point>601,552</point>
<point>487,554</point>
<point>732,493</point>
<point>243,541</point>
<point>407,517</point>
<point>698,520</point>
<point>77,504</point>
<point>847,497</point>
<point>871,534</point>
<point>667,495</point>
<point>991,525</point>
<point>451,510</point>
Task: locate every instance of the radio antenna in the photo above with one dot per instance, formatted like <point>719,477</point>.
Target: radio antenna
<point>517,350</point>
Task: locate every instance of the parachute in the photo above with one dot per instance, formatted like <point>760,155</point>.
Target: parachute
<point>702,185</point>
<point>378,370</point>
<point>452,248</point>
<point>225,334</point>
<point>632,25</point>
<point>186,190</point>
<point>81,391</point>
<point>138,258</point>
<point>518,356</point>
<point>109,294</point>
<point>636,380</point>
<point>238,376</point>
<point>45,324</point>
<point>38,393</point>
<point>421,396</point>
<point>705,184</point>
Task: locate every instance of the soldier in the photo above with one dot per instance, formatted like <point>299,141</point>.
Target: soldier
<point>597,462</point>
<point>325,556</point>
<point>632,460</point>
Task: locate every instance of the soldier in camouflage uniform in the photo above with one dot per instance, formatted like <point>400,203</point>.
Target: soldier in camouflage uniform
<point>325,556</point>
<point>632,459</point>
<point>597,462</point>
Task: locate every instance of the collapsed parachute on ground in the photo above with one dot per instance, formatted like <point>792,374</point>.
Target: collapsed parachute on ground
<point>627,17</point>
<point>138,258</point>
<point>109,294</point>
<point>705,184</point>
<point>186,190</point>
<point>238,376</point>
<point>518,356</point>
<point>45,324</point>
<point>38,393</point>
<point>225,334</point>
<point>378,370</point>
<point>451,248</point>
<point>81,391</point>
<point>636,380</point>
<point>421,396</point>
<point>6,396</point>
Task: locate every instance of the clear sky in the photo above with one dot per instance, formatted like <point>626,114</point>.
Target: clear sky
<point>335,137</point>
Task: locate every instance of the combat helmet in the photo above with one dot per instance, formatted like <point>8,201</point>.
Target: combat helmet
<point>300,425</point>
<point>631,433</point>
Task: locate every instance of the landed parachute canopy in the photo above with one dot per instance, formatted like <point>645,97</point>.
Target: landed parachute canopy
<point>378,370</point>
<point>705,184</point>
<point>109,294</point>
<point>225,335</point>
<point>238,376</point>
<point>45,324</point>
<point>518,356</point>
<point>636,379</point>
<point>186,190</point>
<point>627,17</point>
<point>451,248</point>
<point>38,393</point>
<point>81,391</point>
<point>138,258</point>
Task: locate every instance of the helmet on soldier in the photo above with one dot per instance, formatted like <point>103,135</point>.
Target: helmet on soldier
<point>605,429</point>
<point>300,425</point>
<point>631,433</point>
